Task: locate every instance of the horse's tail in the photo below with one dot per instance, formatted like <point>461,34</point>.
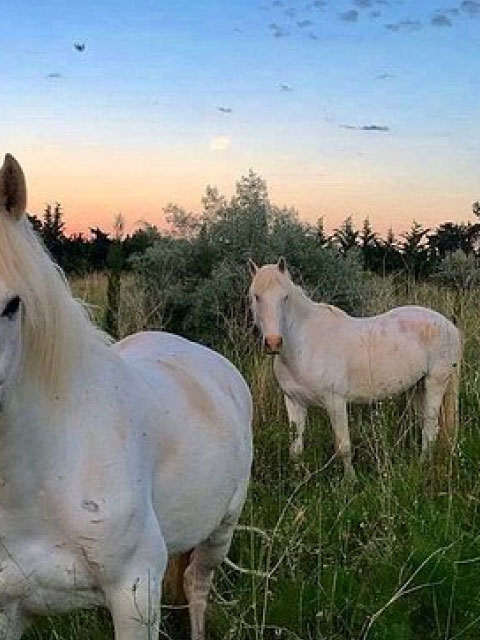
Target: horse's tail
<point>173,579</point>
<point>449,412</point>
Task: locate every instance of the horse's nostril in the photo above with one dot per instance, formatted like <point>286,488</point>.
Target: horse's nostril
<point>273,343</point>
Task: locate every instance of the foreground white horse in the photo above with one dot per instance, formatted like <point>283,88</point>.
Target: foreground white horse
<point>325,357</point>
<point>111,458</point>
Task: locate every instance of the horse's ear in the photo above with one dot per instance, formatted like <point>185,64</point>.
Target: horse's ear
<point>282,264</point>
<point>13,188</point>
<point>252,267</point>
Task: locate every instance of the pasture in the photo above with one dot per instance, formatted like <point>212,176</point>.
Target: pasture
<point>394,557</point>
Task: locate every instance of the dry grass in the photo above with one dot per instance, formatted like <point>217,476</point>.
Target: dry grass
<point>395,557</point>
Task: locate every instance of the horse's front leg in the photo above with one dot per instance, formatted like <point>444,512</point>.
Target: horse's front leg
<point>336,407</point>
<point>134,596</point>
<point>297,415</point>
<point>12,623</point>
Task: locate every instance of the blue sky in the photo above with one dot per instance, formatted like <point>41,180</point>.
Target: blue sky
<point>367,107</point>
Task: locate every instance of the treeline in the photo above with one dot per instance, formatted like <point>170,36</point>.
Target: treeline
<point>249,218</point>
<point>191,278</point>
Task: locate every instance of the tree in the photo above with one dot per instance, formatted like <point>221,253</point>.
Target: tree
<point>415,251</point>
<point>52,231</point>
<point>346,236</point>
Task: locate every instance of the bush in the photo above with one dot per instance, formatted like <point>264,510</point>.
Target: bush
<point>195,279</point>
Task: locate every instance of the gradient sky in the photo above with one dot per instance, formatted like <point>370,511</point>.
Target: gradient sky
<point>369,107</point>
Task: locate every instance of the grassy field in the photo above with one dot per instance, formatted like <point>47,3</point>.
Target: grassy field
<point>394,557</point>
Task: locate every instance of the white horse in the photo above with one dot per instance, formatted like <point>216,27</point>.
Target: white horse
<point>325,357</point>
<point>111,458</point>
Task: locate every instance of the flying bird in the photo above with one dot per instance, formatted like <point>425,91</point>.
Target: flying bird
<point>79,46</point>
<point>285,87</point>
<point>225,109</point>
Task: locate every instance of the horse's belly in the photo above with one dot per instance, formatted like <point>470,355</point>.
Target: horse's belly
<point>376,383</point>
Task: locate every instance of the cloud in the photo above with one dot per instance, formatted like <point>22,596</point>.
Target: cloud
<point>219,143</point>
<point>374,127</point>
<point>441,20</point>
<point>278,31</point>
<point>363,4</point>
<point>375,14</point>
<point>304,23</point>
<point>404,25</point>
<point>366,127</point>
<point>471,7</point>
<point>349,16</point>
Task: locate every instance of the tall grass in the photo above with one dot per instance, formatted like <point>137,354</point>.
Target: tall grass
<point>394,557</point>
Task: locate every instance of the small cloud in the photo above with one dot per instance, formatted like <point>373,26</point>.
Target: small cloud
<point>54,76</point>
<point>365,127</point>
<point>441,20</point>
<point>291,12</point>
<point>304,23</point>
<point>404,25</point>
<point>349,16</point>
<point>374,127</point>
<point>277,3</point>
<point>225,109</point>
<point>278,31</point>
<point>471,8</point>
<point>313,36</point>
<point>219,143</point>
<point>375,14</point>
<point>363,4</point>
<point>285,87</point>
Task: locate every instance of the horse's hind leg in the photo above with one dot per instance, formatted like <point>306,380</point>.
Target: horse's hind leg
<point>297,415</point>
<point>199,574</point>
<point>337,411</point>
<point>435,385</point>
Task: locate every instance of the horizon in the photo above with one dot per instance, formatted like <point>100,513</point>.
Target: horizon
<point>355,107</point>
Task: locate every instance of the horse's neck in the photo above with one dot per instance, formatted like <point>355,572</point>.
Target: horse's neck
<point>305,314</point>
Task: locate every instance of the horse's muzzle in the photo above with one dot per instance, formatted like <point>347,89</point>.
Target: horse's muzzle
<point>273,344</point>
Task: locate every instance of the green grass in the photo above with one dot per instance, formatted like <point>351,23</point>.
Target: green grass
<point>394,557</point>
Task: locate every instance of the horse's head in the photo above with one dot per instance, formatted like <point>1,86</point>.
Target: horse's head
<point>269,292</point>
<point>13,197</point>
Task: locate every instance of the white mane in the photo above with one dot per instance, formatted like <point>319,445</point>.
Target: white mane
<point>57,329</point>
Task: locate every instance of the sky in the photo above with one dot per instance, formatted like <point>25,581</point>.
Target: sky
<point>362,107</point>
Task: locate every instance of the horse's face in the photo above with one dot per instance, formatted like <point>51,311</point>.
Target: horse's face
<point>13,196</point>
<point>268,300</point>
<point>10,337</point>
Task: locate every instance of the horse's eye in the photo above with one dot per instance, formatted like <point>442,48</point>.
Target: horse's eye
<point>11,308</point>
<point>257,297</point>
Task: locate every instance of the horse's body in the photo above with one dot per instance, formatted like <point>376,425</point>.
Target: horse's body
<point>134,452</point>
<point>326,357</point>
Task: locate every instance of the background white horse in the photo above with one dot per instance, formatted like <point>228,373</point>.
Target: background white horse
<point>325,357</point>
<point>110,457</point>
